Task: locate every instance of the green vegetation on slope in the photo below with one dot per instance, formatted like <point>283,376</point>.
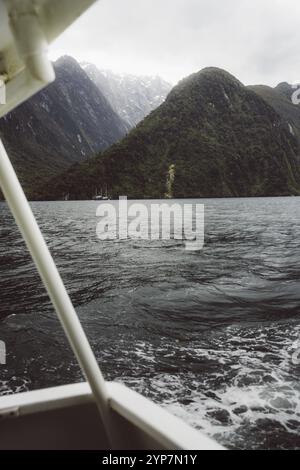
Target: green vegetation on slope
<point>221,139</point>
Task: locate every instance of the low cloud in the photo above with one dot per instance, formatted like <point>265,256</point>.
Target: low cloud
<point>256,40</point>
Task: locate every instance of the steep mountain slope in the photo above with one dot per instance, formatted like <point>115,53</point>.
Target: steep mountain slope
<point>132,97</point>
<point>67,122</point>
<point>280,98</point>
<point>216,137</point>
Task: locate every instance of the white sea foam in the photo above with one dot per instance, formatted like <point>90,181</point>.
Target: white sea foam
<point>253,387</point>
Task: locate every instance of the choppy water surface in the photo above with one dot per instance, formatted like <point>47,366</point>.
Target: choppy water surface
<point>207,334</point>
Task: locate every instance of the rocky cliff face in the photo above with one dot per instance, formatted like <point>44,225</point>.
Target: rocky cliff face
<point>220,138</point>
<point>68,122</point>
<point>132,97</point>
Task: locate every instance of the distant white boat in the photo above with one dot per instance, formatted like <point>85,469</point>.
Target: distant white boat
<point>101,197</point>
<point>98,198</point>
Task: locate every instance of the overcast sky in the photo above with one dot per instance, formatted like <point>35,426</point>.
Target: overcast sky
<point>256,40</point>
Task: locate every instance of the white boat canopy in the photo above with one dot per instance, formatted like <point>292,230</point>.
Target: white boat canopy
<point>26,29</point>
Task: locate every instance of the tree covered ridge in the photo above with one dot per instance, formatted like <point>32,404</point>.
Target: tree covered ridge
<point>221,139</point>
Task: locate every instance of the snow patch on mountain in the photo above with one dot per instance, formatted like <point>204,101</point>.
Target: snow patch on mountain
<point>132,97</point>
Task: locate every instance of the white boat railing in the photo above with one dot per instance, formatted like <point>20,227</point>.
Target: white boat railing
<point>30,41</point>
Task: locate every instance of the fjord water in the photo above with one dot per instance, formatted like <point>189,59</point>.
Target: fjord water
<point>209,335</point>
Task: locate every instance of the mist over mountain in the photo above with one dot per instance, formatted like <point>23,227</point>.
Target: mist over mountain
<point>68,122</point>
<point>132,97</point>
<point>220,138</point>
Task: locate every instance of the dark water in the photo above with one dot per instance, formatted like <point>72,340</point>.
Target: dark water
<point>208,334</point>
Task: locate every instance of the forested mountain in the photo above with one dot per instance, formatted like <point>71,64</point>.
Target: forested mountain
<point>68,122</point>
<point>217,137</point>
